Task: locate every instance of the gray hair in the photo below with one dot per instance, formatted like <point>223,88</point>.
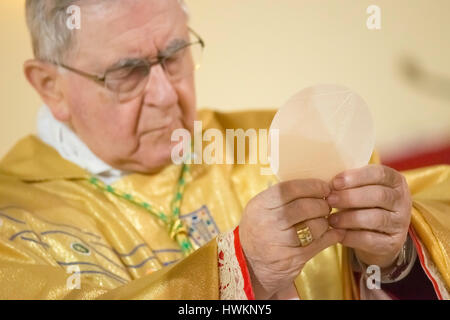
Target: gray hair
<point>46,20</point>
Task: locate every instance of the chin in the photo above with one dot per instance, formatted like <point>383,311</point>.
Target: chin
<point>158,158</point>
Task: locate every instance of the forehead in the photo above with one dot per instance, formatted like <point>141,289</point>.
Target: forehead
<point>116,29</point>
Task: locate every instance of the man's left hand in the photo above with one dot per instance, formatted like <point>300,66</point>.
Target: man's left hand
<point>375,209</point>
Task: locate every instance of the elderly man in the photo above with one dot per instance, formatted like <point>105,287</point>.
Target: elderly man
<point>94,207</point>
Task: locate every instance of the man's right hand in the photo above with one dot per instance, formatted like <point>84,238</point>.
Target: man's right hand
<point>269,236</point>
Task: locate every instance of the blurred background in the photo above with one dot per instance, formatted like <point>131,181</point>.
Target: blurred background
<point>260,52</point>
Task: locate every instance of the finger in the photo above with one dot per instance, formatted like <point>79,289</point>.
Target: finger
<point>289,238</point>
<point>369,241</point>
<point>329,238</point>
<point>301,210</point>
<point>368,175</point>
<point>287,191</point>
<point>317,227</point>
<point>373,219</point>
<point>365,197</point>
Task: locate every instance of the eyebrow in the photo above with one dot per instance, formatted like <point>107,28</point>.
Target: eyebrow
<point>173,45</point>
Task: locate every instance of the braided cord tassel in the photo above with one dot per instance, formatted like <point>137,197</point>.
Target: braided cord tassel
<point>177,229</point>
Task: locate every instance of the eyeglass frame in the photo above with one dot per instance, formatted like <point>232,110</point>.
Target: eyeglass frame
<point>159,60</point>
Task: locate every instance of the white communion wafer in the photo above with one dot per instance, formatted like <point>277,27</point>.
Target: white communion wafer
<point>323,130</point>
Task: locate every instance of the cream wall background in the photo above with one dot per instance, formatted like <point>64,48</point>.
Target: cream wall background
<point>260,52</point>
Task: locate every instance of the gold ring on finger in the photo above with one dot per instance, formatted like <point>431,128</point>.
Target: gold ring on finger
<point>304,235</point>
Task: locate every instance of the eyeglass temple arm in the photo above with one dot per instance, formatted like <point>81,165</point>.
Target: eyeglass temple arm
<point>84,74</point>
<point>197,36</point>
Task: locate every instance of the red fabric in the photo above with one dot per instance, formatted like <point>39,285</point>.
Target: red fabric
<point>243,265</point>
<point>420,159</point>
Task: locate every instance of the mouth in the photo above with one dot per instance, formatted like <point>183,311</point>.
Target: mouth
<point>169,124</point>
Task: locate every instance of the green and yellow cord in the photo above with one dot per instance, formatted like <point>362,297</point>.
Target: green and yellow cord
<point>177,230</point>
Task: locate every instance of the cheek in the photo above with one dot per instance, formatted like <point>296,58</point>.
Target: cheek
<point>96,116</point>
<point>187,100</point>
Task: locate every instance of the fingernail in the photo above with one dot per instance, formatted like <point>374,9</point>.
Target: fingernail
<point>339,183</point>
<point>332,199</point>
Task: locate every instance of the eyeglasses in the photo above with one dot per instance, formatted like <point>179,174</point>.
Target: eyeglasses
<point>128,80</point>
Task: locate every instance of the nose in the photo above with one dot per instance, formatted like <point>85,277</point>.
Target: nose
<point>159,91</point>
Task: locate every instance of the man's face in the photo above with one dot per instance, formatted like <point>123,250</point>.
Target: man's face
<point>135,134</point>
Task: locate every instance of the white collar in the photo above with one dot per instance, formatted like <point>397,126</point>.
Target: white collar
<point>59,136</point>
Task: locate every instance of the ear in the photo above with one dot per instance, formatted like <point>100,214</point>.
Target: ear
<point>45,78</point>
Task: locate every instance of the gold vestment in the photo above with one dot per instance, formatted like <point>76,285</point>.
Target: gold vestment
<point>53,221</point>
